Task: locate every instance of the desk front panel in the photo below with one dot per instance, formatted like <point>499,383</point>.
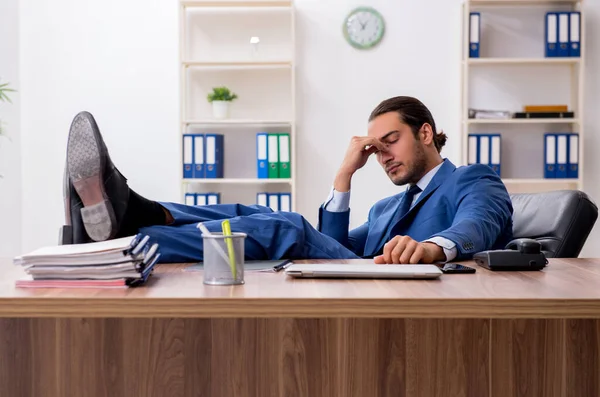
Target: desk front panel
<point>299,357</point>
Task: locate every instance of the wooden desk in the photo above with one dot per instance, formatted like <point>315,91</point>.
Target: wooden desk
<point>487,334</point>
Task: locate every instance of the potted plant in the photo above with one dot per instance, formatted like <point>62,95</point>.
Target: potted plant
<point>220,98</point>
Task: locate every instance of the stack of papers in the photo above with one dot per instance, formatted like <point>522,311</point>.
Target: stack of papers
<point>123,262</point>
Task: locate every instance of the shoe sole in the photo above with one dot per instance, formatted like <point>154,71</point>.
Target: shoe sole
<point>85,170</point>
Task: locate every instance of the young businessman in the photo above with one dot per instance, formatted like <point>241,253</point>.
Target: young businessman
<point>444,213</point>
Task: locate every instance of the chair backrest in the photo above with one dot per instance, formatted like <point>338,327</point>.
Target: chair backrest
<point>560,220</point>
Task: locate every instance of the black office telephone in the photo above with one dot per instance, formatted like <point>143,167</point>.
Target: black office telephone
<point>520,254</point>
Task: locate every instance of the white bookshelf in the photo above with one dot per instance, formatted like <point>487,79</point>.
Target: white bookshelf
<point>522,121</point>
<point>236,4</point>
<point>240,123</point>
<point>526,181</point>
<point>234,181</point>
<point>518,2</point>
<point>522,61</point>
<point>237,65</point>
<point>215,50</point>
<point>512,71</point>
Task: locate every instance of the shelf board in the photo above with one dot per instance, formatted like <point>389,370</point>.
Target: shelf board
<point>233,181</point>
<point>540,181</point>
<point>520,2</point>
<point>239,122</point>
<point>242,4</point>
<point>523,121</point>
<point>249,65</point>
<point>524,61</point>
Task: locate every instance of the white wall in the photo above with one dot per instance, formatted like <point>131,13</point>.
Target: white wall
<point>10,164</point>
<point>116,59</point>
<point>119,60</point>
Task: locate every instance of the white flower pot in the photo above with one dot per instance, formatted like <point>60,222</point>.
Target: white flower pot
<point>220,109</point>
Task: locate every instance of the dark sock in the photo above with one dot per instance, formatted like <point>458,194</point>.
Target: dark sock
<point>141,212</point>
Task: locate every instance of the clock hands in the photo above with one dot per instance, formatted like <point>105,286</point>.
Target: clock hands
<point>362,24</point>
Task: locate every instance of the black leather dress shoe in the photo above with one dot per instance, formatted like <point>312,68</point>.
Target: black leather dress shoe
<point>96,193</point>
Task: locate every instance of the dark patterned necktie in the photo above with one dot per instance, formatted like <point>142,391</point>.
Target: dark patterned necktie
<point>406,202</point>
<point>404,207</point>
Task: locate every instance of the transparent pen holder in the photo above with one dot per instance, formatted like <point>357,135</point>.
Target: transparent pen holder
<point>223,263</point>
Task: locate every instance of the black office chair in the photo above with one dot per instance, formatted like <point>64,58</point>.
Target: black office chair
<point>560,220</point>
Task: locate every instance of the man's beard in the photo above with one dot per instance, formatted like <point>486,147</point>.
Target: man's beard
<point>416,170</point>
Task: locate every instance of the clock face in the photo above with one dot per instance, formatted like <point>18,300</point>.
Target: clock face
<point>363,28</point>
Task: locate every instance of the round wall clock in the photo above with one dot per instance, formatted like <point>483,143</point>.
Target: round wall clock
<point>364,28</point>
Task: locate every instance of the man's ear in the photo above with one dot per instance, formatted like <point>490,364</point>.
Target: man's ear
<point>426,133</point>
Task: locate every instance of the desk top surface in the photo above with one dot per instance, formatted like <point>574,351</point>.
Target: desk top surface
<point>566,288</point>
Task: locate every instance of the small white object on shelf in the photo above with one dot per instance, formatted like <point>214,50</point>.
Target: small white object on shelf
<point>254,42</point>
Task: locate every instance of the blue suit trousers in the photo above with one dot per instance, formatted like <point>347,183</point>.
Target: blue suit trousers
<point>271,235</point>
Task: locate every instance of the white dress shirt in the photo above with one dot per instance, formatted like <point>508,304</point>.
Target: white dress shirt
<point>340,202</point>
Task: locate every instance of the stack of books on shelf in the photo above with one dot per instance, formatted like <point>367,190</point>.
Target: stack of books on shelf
<point>276,201</point>
<point>562,31</point>
<point>123,262</point>
<point>202,156</point>
<point>273,155</point>
<point>545,112</point>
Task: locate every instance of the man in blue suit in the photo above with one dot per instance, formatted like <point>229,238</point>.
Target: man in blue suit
<point>445,212</point>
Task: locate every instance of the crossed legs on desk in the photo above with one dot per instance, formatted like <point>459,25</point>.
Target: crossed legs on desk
<point>99,205</point>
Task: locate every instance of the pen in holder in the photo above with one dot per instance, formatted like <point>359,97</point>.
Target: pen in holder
<point>223,256</point>
<point>227,232</point>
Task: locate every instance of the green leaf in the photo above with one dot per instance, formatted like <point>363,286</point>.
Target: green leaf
<point>221,94</point>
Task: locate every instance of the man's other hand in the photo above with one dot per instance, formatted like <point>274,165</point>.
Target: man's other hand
<point>405,250</point>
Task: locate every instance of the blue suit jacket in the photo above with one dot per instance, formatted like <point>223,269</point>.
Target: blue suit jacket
<point>468,205</point>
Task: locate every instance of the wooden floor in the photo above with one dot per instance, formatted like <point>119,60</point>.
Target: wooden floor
<point>299,357</point>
